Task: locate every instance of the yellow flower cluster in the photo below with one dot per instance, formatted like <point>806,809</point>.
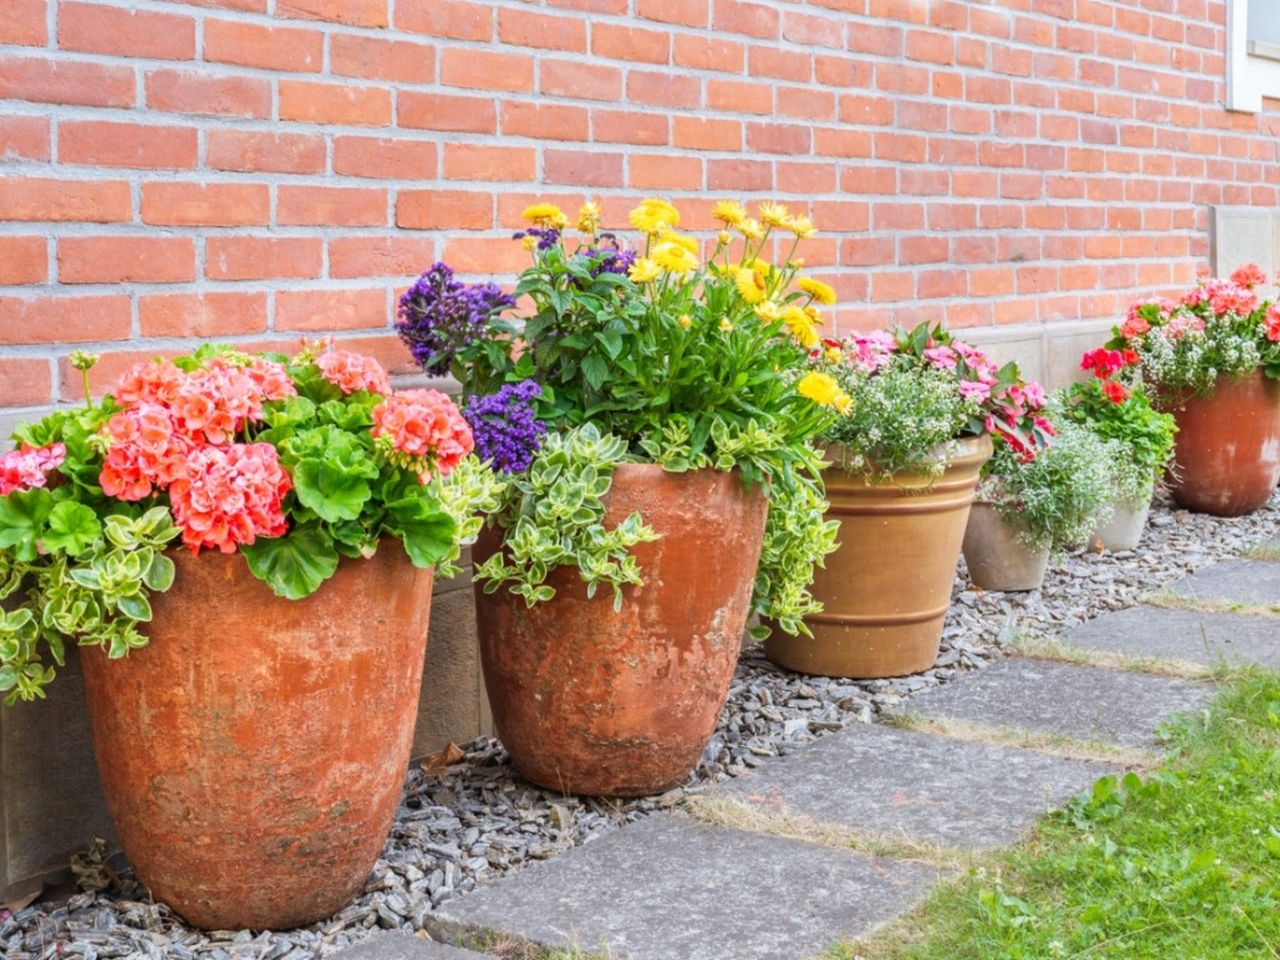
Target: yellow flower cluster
<point>733,214</point>
<point>823,390</point>
<point>549,216</point>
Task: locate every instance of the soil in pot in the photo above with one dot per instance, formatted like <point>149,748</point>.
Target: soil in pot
<point>997,556</point>
<point>1227,451</point>
<point>1124,530</point>
<point>887,589</point>
<point>253,753</point>
<point>591,701</point>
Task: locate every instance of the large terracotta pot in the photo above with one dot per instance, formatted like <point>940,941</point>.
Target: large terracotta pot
<point>253,753</point>
<point>886,590</point>
<point>592,701</point>
<point>997,554</point>
<point>1227,454</point>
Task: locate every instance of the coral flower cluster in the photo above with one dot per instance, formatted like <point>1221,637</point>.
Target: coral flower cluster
<point>423,431</point>
<point>29,467</point>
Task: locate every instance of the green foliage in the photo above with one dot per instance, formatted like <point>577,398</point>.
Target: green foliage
<point>1144,436</point>
<point>1179,863</point>
<point>554,516</point>
<point>1059,497</point>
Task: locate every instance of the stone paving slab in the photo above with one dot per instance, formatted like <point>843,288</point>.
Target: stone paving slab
<point>903,783</point>
<point>403,946</point>
<point>1086,703</point>
<point>1196,636</point>
<point>670,888</point>
<point>1254,582</point>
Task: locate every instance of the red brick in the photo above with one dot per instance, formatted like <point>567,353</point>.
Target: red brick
<point>709,53</point>
<point>701,133</point>
<point>777,64</point>
<point>770,137</point>
<point>24,259</point>
<point>334,103</point>
<point>582,81</point>
<point>126,259</point>
<point>864,110</point>
<point>444,210</point>
<point>585,169</point>
<point>745,175</point>
<point>97,28</point>
<point>64,319</point>
<point>885,41</point>
<point>459,19</point>
<point>380,256</point>
<point>363,13</point>
<point>627,126</point>
<point>23,22</point>
<point>272,48</point>
<point>485,255</point>
<point>260,152</point>
<point>930,47</point>
<point>752,19</point>
<point>262,258</point>
<point>526,28</point>
<point>483,70</point>
<point>649,171</point>
<point>24,138</point>
<point>467,161</point>
<point>616,42</point>
<point>38,198</point>
<point>101,143</point>
<point>375,58</point>
<point>179,91</point>
<point>740,96</point>
<point>663,89</point>
<point>806,103</point>
<point>813,30</point>
<point>209,314</point>
<point>544,121</point>
<point>206,204</point>
<point>331,206</point>
<point>431,111</point>
<point>25,383</point>
<point>384,158</point>
<point>323,310</point>
<point>66,81</point>
<point>688,13</point>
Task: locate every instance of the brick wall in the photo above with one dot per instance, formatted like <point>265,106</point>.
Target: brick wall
<point>261,169</point>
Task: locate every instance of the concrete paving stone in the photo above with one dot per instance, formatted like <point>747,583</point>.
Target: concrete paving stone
<point>1085,703</point>
<point>403,946</point>
<point>671,888</point>
<point>1196,636</point>
<point>903,783</point>
<point>1254,582</point>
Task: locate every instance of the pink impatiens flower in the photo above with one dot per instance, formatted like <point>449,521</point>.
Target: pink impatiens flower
<point>422,430</point>
<point>1250,275</point>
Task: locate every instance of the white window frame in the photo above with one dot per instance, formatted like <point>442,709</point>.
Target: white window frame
<point>1253,69</point>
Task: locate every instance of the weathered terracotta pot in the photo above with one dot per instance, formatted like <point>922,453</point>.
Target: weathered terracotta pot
<point>997,557</point>
<point>592,701</point>
<point>886,590</point>
<point>1227,453</point>
<point>1124,530</point>
<point>253,753</point>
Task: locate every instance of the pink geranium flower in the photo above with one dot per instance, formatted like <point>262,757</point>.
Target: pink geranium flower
<point>29,467</point>
<point>423,430</point>
<point>230,495</point>
<point>352,372</point>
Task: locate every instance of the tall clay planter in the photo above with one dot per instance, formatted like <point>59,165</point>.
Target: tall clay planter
<point>886,590</point>
<point>591,701</point>
<point>253,753</point>
<point>998,557</point>
<point>1227,454</point>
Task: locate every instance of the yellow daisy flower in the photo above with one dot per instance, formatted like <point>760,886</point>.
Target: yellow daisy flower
<point>802,227</point>
<point>751,229</point>
<point>644,270</point>
<point>725,325</point>
<point>801,326</point>
<point>654,216</point>
<point>823,390</point>
<point>817,290</point>
<point>674,257</point>
<point>768,311</point>
<point>774,214</point>
<point>689,243</point>
<point>751,284</point>
<point>685,321</point>
<point>530,243</point>
<point>589,218</point>
<point>546,215</point>
<point>729,211</point>
<point>723,238</point>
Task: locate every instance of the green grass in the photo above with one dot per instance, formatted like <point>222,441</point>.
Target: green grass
<point>1180,864</point>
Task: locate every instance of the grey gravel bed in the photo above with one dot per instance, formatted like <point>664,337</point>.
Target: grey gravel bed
<point>474,821</point>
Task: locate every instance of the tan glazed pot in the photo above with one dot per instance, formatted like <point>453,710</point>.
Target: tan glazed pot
<point>591,701</point>
<point>1227,451</point>
<point>887,588</point>
<point>996,555</point>
<point>253,753</point>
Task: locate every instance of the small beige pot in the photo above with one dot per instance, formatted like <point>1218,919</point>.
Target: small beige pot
<point>997,558</point>
<point>1124,529</point>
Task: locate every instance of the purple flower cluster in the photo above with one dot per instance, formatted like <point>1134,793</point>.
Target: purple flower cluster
<point>611,260</point>
<point>507,430</point>
<point>441,316</point>
<point>547,238</point>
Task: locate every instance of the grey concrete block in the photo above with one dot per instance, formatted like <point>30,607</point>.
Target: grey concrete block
<point>1085,703</point>
<point>451,707</point>
<point>905,784</point>
<point>1192,635</point>
<point>1255,582</point>
<point>669,888</point>
<point>402,946</point>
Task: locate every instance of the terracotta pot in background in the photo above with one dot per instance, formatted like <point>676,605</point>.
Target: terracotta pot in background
<point>997,557</point>
<point>1227,453</point>
<point>254,752</point>
<point>887,589</point>
<point>1125,528</point>
<point>591,701</point>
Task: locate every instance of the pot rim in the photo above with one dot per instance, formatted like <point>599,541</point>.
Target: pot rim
<point>959,451</point>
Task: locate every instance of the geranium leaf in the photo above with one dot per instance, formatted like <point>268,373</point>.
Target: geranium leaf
<point>294,565</point>
<point>72,527</point>
<point>22,521</point>
<point>336,489</point>
<point>426,531</point>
